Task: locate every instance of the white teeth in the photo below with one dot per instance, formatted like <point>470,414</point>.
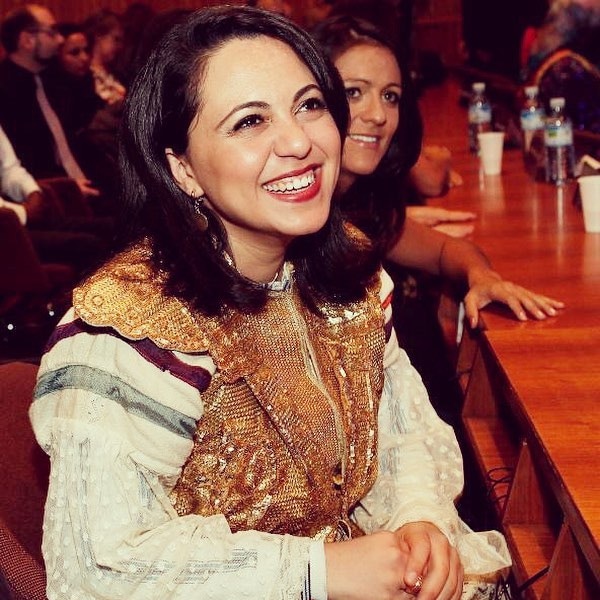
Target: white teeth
<point>291,184</point>
<point>369,139</point>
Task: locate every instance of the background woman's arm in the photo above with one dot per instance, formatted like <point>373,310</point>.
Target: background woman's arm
<point>462,262</point>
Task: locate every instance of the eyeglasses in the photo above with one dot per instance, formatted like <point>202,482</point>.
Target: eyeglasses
<point>51,31</point>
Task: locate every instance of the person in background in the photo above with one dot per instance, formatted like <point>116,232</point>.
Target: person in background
<point>73,88</point>
<point>31,39</point>
<point>567,23</point>
<point>135,19</point>
<point>56,237</point>
<point>105,32</point>
<point>383,144</point>
<point>431,175</point>
<point>92,122</point>
<point>22,190</point>
<point>226,411</point>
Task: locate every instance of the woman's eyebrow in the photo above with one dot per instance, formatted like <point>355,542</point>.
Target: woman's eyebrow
<point>251,104</point>
<point>264,105</point>
<point>305,89</point>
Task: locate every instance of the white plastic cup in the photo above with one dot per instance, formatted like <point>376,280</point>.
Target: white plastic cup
<point>491,144</point>
<point>589,187</point>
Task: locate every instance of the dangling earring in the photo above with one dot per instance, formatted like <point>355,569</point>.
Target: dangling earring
<point>198,203</point>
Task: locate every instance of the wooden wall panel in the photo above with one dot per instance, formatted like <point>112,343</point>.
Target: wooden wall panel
<point>75,10</point>
<point>438,28</point>
<point>437,24</point>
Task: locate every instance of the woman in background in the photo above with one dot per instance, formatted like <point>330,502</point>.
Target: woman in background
<point>92,122</point>
<point>75,99</point>
<point>383,143</point>
<point>380,151</point>
<point>106,35</point>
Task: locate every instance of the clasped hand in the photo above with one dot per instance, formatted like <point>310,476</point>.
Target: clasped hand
<point>386,565</point>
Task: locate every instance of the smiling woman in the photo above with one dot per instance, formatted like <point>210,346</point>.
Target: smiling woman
<point>285,146</point>
<point>374,87</point>
<point>227,410</point>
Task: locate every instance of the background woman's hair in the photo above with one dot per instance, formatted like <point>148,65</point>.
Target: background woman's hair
<point>161,104</point>
<point>102,22</point>
<point>374,202</point>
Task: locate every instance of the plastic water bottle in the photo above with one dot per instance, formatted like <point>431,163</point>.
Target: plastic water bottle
<point>558,141</point>
<point>532,129</point>
<point>480,115</point>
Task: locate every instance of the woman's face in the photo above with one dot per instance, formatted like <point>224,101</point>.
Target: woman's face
<point>108,46</point>
<point>263,148</point>
<point>373,86</point>
<point>74,55</point>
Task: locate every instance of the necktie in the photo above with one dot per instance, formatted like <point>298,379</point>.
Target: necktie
<point>67,160</point>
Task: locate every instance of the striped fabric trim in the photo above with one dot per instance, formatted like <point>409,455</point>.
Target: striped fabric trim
<point>388,328</point>
<point>113,388</point>
<point>165,360</point>
<point>387,300</point>
<point>62,332</point>
<point>306,594</point>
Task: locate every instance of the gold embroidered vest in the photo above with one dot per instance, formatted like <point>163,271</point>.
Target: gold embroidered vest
<point>288,439</point>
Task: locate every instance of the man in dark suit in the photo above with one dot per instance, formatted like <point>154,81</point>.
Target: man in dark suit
<point>31,39</point>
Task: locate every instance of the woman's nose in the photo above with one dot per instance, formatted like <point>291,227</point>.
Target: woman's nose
<point>292,140</point>
<point>374,111</point>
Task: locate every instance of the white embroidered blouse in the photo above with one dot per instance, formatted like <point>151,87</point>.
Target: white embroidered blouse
<point>118,430</point>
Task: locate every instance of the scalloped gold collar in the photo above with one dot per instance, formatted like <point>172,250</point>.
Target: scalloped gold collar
<point>127,294</point>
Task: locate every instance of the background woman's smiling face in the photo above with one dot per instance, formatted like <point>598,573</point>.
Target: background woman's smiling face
<point>263,148</point>
<point>373,86</point>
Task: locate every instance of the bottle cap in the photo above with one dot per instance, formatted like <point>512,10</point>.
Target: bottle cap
<point>478,86</point>
<point>531,90</point>
<point>557,102</point>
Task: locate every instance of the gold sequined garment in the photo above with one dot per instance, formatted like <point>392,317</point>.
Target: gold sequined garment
<point>287,441</point>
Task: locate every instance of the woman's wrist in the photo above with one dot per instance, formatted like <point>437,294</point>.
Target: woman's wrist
<point>482,274</point>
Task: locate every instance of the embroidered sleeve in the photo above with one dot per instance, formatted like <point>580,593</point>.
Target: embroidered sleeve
<point>118,428</point>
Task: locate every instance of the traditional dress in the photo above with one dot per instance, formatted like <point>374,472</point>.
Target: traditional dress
<point>213,457</point>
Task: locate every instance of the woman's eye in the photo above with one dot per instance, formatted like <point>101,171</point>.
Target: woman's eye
<point>352,93</point>
<point>312,104</point>
<point>248,122</point>
<point>391,97</point>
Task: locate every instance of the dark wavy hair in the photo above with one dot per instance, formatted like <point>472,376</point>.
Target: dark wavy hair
<point>330,265</point>
<point>102,22</point>
<point>374,202</point>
